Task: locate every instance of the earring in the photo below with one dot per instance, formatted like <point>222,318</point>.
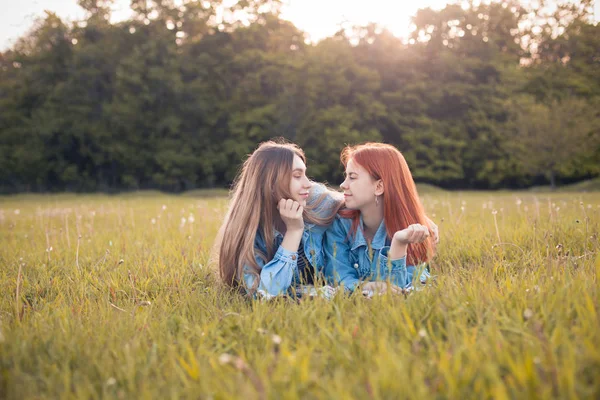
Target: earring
<point>376,200</point>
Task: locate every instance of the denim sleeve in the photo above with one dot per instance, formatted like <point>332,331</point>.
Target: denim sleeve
<point>338,269</point>
<point>394,270</point>
<point>422,270</point>
<point>276,275</point>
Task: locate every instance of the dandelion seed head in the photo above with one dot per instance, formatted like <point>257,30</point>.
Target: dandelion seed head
<point>422,333</point>
<point>153,221</point>
<point>276,339</point>
<point>164,207</point>
<point>494,212</point>
<point>111,381</point>
<point>528,313</point>
<point>17,211</point>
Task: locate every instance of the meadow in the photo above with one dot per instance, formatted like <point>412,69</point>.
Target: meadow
<point>112,297</point>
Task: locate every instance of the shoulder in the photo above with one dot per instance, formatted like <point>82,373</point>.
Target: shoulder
<point>323,200</point>
<point>320,192</point>
<point>341,226</point>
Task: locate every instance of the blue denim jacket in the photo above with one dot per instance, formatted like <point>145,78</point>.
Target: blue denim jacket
<point>349,260</point>
<point>280,275</point>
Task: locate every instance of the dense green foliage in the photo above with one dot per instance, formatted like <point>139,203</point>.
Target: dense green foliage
<point>173,99</point>
<point>110,297</point>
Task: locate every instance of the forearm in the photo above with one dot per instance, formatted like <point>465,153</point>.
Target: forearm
<point>397,250</point>
<point>291,240</point>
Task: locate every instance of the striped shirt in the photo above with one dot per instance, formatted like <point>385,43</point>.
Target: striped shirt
<point>305,270</point>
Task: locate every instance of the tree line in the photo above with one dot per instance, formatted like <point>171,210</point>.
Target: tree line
<point>482,95</point>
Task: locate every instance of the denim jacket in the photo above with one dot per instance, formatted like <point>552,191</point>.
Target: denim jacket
<point>280,275</point>
<point>349,260</point>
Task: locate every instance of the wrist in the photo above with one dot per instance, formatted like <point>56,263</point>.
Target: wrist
<point>400,239</point>
<point>295,230</point>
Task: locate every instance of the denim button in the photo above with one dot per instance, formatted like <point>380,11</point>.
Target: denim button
<point>312,252</point>
<point>293,256</point>
<point>356,266</point>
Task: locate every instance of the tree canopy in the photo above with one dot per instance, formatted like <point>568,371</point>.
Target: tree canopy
<point>487,96</point>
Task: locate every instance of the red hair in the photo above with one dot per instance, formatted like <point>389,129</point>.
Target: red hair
<point>401,204</point>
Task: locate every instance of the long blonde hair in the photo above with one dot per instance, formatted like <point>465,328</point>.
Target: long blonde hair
<point>264,179</point>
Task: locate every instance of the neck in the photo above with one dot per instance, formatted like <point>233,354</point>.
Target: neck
<point>372,216</point>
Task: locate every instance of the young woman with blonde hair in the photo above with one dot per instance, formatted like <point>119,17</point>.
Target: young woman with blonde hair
<point>272,236</point>
<point>382,234</point>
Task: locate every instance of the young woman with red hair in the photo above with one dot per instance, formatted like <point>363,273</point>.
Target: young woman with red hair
<point>382,234</point>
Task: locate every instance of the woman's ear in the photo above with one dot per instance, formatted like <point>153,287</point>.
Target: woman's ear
<point>379,188</point>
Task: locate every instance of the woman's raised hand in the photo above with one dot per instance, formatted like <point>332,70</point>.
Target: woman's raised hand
<point>291,214</point>
<point>415,233</point>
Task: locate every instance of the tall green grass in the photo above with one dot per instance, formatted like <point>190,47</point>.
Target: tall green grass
<point>111,297</point>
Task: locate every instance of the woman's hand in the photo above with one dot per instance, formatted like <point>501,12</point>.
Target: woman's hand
<point>434,230</point>
<point>291,214</point>
<point>371,288</point>
<point>415,233</point>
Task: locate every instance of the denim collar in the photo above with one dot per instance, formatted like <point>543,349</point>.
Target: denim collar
<point>379,240</point>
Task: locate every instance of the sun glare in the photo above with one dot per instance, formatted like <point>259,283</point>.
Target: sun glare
<point>322,18</point>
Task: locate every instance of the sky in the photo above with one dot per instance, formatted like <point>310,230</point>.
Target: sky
<point>319,18</point>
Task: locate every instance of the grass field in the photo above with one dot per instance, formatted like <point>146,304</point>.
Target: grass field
<point>110,297</point>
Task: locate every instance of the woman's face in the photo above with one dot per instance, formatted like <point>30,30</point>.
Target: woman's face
<point>299,184</point>
<point>359,187</point>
